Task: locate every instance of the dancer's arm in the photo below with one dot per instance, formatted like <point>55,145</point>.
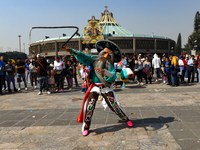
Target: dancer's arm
<point>81,57</point>
<point>110,75</point>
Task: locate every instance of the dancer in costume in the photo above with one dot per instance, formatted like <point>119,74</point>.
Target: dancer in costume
<point>102,74</point>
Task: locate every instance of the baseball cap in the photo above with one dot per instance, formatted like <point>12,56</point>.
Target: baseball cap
<point>38,55</point>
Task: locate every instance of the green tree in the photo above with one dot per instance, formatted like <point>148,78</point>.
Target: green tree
<point>194,38</point>
<point>197,21</point>
<point>13,55</point>
<point>179,44</point>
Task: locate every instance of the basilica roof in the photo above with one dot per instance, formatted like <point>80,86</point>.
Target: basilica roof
<point>111,29</point>
<point>111,26</point>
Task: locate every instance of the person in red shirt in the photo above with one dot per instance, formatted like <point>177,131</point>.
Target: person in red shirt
<point>184,69</point>
<point>185,62</point>
<point>198,68</point>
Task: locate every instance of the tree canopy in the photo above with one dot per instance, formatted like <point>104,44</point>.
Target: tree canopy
<point>179,44</point>
<point>194,38</point>
<point>197,21</point>
<point>13,55</point>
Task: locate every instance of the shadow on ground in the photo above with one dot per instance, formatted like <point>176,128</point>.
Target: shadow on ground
<point>146,123</point>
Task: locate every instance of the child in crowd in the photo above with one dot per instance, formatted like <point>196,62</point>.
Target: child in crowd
<point>163,73</point>
<point>84,76</point>
<point>70,70</point>
<point>28,72</point>
<point>51,79</point>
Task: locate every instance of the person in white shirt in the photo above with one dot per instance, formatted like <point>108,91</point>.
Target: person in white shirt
<point>156,65</point>
<point>58,67</point>
<point>181,66</point>
<point>33,73</point>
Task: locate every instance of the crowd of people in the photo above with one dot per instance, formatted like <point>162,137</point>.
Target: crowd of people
<point>51,75</point>
<point>172,69</point>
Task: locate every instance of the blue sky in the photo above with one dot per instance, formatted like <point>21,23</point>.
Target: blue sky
<point>163,18</point>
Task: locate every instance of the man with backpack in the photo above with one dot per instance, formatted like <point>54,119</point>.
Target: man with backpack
<point>42,72</point>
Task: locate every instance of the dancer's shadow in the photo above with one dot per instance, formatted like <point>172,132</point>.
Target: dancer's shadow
<point>153,123</point>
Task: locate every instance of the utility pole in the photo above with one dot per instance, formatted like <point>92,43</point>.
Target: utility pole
<point>19,43</point>
<point>24,48</point>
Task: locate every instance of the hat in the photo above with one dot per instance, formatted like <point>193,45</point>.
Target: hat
<point>100,45</point>
<point>180,57</point>
<point>140,54</point>
<point>38,55</point>
<point>13,61</point>
<point>51,65</point>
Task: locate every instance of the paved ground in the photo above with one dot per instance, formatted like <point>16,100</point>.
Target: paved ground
<point>164,118</point>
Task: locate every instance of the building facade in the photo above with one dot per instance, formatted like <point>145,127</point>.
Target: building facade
<point>129,43</point>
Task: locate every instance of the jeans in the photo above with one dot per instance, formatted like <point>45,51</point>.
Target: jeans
<point>174,79</point>
<point>183,75</point>
<point>191,72</point>
<point>75,79</point>
<point>33,78</point>
<point>45,82</point>
<point>186,73</point>
<point>157,70</point>
<point>70,81</point>
<point>146,78</point>
<point>19,76</point>
<point>1,83</point>
<point>140,76</point>
<point>198,69</point>
<point>84,90</point>
<point>168,75</point>
<point>28,73</point>
<point>59,81</point>
<point>10,79</point>
<point>4,82</point>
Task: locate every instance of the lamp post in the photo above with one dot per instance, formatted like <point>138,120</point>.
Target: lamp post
<point>172,48</point>
<point>19,42</point>
<point>195,42</point>
<point>24,48</point>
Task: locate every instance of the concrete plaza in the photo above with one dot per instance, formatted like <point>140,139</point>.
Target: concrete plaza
<point>164,118</point>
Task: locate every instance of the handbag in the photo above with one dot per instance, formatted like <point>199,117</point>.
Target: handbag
<point>136,68</point>
<point>177,68</point>
<point>147,71</point>
<point>58,72</point>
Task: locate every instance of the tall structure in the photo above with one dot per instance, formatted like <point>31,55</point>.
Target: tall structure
<point>19,43</point>
<point>111,26</point>
<point>109,29</point>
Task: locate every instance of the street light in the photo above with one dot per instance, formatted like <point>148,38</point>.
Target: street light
<point>19,42</point>
<point>195,42</point>
<point>172,48</point>
<point>24,47</point>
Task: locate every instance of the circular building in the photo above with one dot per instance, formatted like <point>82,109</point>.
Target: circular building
<point>106,28</point>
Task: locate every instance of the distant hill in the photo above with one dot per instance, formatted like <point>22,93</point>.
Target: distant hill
<point>14,55</point>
